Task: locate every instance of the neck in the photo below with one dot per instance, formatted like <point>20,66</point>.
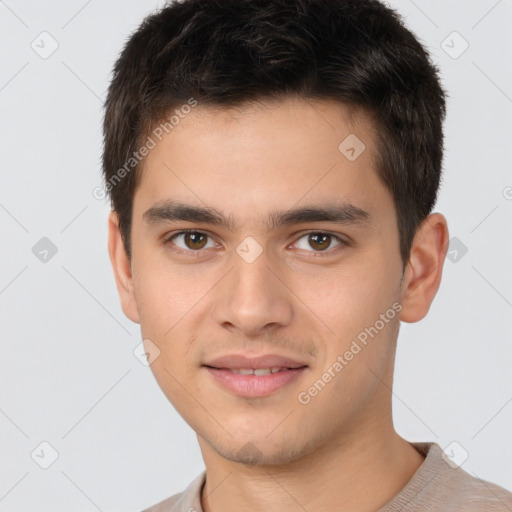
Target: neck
<point>360,472</point>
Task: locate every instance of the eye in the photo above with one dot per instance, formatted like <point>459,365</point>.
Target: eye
<point>318,240</point>
<point>190,242</point>
<point>187,241</point>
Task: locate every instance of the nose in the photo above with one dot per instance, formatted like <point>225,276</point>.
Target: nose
<point>252,299</point>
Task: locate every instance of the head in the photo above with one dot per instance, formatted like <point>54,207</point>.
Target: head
<point>301,143</point>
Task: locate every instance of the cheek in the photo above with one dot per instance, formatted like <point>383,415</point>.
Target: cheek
<point>166,293</point>
<point>171,304</point>
<point>167,301</point>
<point>355,305</point>
<point>347,298</point>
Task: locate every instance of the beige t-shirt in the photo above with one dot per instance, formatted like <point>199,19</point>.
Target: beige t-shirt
<point>434,487</point>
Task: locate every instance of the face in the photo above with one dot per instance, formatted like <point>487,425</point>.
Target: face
<point>291,253</point>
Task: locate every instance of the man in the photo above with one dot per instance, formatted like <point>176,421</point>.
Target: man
<point>273,166</point>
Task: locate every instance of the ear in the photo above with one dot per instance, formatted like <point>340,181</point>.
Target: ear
<point>422,275</point>
<point>122,268</point>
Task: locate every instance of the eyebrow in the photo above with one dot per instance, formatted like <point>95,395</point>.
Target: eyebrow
<point>339,213</point>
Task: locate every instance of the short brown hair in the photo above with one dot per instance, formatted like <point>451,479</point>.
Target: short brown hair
<point>228,52</point>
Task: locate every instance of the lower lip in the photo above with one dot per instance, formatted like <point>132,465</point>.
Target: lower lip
<point>254,386</point>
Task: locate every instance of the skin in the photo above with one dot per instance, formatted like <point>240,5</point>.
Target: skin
<point>340,451</point>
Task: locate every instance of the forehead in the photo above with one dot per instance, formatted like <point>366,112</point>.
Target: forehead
<point>265,156</point>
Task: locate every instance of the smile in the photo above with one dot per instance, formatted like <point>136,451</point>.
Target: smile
<point>254,383</point>
<point>252,371</point>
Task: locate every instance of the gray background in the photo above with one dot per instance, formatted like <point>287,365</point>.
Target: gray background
<point>68,375</point>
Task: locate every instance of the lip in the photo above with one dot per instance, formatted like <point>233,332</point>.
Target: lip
<point>254,386</point>
<point>264,361</point>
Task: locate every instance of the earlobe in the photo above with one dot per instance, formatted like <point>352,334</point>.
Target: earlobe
<point>122,268</point>
<point>424,268</point>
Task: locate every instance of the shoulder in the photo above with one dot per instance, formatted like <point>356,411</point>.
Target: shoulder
<point>187,501</point>
<point>439,484</point>
<point>460,490</point>
<point>465,492</point>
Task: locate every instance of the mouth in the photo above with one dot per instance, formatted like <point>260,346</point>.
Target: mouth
<point>256,371</point>
<point>256,377</point>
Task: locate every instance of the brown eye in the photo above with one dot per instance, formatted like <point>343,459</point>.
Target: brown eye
<point>319,241</point>
<point>195,241</point>
<point>191,241</point>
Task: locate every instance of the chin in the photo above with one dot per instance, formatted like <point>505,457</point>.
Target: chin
<point>261,452</point>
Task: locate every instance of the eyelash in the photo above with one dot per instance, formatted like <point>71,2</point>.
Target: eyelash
<point>178,251</point>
